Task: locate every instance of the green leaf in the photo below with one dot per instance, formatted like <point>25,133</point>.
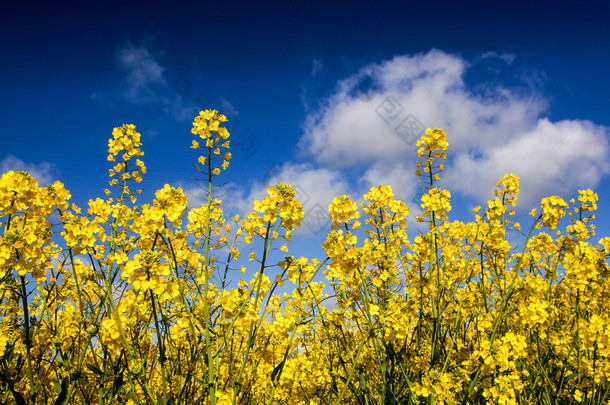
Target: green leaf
<point>94,369</point>
<point>62,398</point>
<point>277,370</point>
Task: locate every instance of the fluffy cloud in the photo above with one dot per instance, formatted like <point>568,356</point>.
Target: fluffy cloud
<point>44,173</point>
<point>372,120</point>
<point>550,158</point>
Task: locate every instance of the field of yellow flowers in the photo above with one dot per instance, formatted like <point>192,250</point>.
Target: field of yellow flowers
<point>126,303</point>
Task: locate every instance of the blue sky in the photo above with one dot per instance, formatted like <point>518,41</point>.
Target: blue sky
<point>326,96</point>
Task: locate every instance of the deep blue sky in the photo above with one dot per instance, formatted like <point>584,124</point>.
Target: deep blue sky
<point>305,79</point>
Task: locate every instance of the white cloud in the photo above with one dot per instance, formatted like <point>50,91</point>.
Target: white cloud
<point>551,158</point>
<point>354,129</point>
<point>44,172</point>
<point>372,120</point>
<point>350,133</point>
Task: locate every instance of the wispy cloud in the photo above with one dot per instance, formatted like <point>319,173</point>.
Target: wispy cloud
<point>144,75</point>
<point>507,58</point>
<point>44,172</point>
<point>145,81</point>
<point>316,67</point>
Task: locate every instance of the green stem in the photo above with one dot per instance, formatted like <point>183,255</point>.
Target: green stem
<point>27,338</point>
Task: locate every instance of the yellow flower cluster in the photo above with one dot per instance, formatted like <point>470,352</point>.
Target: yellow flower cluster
<point>145,303</point>
<point>343,210</point>
<point>26,245</point>
<point>433,142</point>
<point>207,126</point>
<point>280,204</point>
<point>553,209</point>
<point>125,141</point>
<point>436,201</point>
